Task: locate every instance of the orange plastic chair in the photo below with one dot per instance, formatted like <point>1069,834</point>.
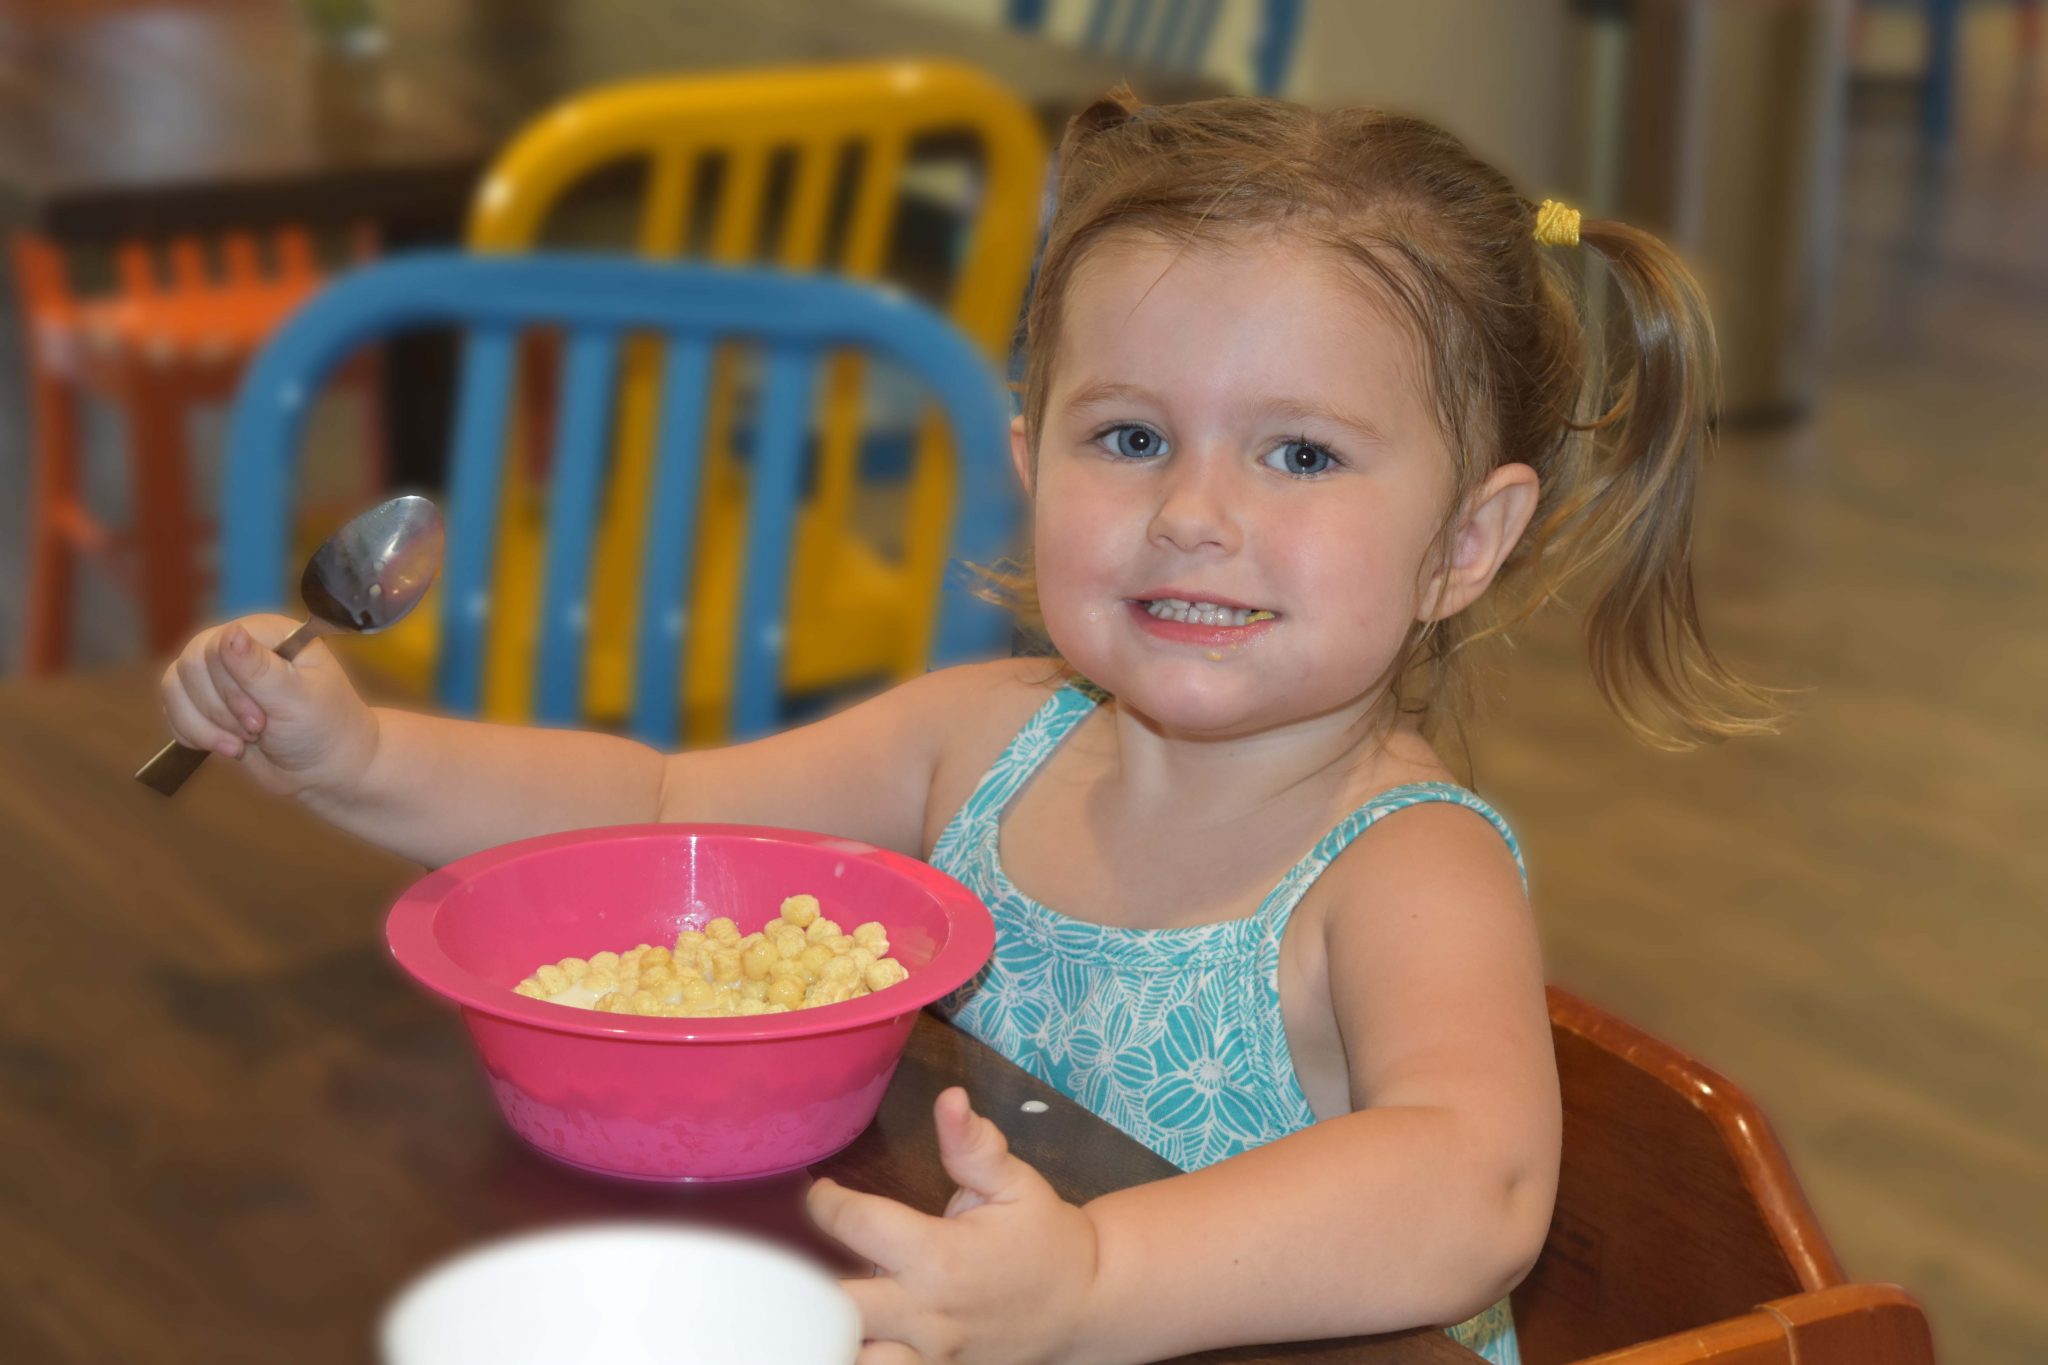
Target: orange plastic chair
<point>1680,1233</point>
<point>805,169</point>
<point>172,336</point>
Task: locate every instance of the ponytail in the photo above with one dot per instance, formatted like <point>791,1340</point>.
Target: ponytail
<point>1618,502</point>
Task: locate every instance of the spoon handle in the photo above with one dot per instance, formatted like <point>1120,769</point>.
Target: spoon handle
<point>175,762</point>
<point>306,634</point>
<point>171,766</point>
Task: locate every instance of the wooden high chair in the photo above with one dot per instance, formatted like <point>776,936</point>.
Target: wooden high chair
<point>1849,1324</point>
<point>1681,1234</point>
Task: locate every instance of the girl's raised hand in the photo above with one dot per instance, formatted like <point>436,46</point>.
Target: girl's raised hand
<point>1005,1275</point>
<point>294,726</point>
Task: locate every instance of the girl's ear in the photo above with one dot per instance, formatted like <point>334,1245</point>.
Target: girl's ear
<point>1020,454</point>
<point>1492,525</point>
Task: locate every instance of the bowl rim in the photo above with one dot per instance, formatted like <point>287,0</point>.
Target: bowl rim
<point>483,1257</point>
<point>409,934</point>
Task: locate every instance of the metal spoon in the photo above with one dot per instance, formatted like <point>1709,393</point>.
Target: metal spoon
<point>366,577</point>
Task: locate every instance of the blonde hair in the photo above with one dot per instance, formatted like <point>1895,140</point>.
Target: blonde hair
<point>1452,248</point>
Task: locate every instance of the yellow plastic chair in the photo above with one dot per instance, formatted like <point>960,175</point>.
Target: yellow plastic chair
<point>804,169</point>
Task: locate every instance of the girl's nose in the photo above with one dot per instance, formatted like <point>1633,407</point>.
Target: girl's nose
<point>1196,509</point>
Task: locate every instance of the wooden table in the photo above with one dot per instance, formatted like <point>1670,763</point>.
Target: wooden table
<point>127,116</point>
<point>230,1129</point>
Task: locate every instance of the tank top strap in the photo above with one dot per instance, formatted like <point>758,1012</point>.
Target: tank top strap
<point>1281,900</point>
<point>1021,757</point>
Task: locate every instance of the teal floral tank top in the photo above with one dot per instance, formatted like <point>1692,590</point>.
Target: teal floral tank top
<point>1173,1035</point>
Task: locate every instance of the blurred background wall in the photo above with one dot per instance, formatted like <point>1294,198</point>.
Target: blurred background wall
<point>1481,67</point>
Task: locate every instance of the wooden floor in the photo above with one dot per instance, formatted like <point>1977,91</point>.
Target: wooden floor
<point>1851,920</point>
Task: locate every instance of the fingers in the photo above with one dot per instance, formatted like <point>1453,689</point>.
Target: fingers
<point>972,1149</point>
<point>233,642</point>
<point>208,690</point>
<point>268,631</point>
<point>252,667</point>
<point>891,1319</point>
<point>190,725</point>
<point>887,1310</point>
<point>886,1232</point>
<point>258,686</point>
<point>199,715</point>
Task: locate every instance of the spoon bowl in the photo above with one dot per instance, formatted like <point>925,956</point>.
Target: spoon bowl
<point>364,578</point>
<point>374,570</point>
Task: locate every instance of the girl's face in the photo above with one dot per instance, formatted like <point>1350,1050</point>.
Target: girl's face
<point>1237,478</point>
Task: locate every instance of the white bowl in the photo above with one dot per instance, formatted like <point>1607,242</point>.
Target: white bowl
<point>625,1294</point>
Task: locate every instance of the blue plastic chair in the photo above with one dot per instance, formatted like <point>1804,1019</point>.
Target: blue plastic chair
<point>1175,34</point>
<point>597,303</point>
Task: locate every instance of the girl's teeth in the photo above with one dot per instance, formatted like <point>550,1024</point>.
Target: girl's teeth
<point>1204,613</point>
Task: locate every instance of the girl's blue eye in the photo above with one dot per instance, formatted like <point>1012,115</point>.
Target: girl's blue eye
<point>1135,442</point>
<point>1299,457</point>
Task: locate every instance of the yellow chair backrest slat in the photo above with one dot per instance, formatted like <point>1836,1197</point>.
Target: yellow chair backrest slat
<point>819,113</point>
<point>783,144</point>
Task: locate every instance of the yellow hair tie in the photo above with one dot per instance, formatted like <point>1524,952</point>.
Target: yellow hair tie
<point>1557,224</point>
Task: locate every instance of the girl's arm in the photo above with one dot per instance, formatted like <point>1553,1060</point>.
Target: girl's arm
<point>1423,1206</point>
<point>438,788</point>
<point>1428,1202</point>
<point>435,788</point>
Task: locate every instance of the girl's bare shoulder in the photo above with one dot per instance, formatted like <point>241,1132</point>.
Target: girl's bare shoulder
<point>872,771</point>
<point>981,697</point>
<point>979,708</point>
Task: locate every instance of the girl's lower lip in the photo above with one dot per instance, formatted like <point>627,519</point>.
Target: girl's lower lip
<point>1193,633</point>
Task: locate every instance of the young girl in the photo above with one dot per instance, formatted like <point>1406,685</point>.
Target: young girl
<point>1305,392</point>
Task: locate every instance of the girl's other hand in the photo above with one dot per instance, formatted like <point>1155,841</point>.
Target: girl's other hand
<point>295,726</point>
<point>1005,1275</point>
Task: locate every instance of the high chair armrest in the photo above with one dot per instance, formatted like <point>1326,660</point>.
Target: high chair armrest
<point>1848,1324</point>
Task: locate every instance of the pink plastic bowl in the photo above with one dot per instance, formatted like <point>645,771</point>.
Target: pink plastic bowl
<point>680,1099</point>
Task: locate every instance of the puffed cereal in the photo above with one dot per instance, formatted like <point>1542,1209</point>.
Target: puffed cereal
<point>797,960</point>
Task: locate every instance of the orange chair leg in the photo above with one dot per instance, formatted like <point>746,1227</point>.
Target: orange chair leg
<point>53,554</point>
<point>166,537</point>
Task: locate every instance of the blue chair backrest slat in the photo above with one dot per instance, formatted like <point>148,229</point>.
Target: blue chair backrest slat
<point>771,534</point>
<point>1169,43</point>
<point>1098,26</point>
<point>599,300</point>
<point>969,626</point>
<point>1130,40</point>
<point>490,359</point>
<point>1195,48</point>
<point>582,438</point>
<point>1273,51</point>
<point>670,557</point>
<point>1175,34</point>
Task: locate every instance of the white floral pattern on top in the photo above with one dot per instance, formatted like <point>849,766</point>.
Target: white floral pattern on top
<point>1173,1035</point>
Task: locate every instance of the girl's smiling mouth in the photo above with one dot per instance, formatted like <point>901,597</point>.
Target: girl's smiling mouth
<point>1195,621</point>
